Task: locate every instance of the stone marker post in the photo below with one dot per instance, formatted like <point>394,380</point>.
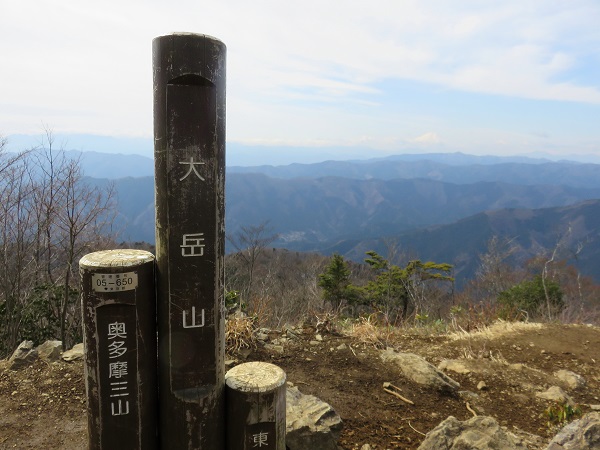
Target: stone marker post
<point>119,326</point>
<point>189,151</point>
<point>255,393</point>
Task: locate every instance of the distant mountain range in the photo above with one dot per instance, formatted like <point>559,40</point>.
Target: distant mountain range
<point>532,233</point>
<point>307,212</point>
<point>452,168</point>
<point>442,207</point>
<point>245,154</point>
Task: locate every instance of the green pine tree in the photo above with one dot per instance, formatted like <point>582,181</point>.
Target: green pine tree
<point>335,281</point>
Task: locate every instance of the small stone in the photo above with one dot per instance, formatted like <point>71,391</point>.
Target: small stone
<point>318,337</point>
<point>275,348</point>
<point>262,336</point>
<point>314,343</point>
<point>454,366</point>
<point>482,386</point>
<point>342,347</point>
<point>291,331</point>
<point>244,353</point>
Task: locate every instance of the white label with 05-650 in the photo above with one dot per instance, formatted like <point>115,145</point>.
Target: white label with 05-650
<point>114,282</point>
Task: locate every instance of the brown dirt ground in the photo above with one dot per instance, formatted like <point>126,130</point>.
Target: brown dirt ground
<point>43,406</point>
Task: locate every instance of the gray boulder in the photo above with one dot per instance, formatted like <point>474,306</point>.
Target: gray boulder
<point>50,350</point>
<point>76,353</point>
<point>581,434</point>
<point>555,394</point>
<point>420,371</point>
<point>477,433</point>
<point>23,356</point>
<point>571,379</point>
<point>310,423</point>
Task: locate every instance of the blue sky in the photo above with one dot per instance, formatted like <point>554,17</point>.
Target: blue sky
<point>510,77</point>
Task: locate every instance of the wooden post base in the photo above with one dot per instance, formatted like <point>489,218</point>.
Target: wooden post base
<point>255,407</point>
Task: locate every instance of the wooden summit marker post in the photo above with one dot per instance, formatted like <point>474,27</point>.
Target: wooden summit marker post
<point>119,330</point>
<point>189,151</point>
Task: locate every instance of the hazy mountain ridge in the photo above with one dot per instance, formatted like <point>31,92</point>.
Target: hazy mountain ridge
<point>449,167</point>
<point>311,213</point>
<point>535,172</point>
<point>432,219</point>
<point>531,231</point>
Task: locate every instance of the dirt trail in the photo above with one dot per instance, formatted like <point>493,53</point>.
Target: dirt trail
<point>43,406</point>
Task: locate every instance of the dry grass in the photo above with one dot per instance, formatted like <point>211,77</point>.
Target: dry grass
<point>496,330</point>
<point>239,333</point>
<point>368,331</point>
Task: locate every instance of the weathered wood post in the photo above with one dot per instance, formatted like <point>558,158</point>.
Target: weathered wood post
<point>255,394</point>
<point>119,325</point>
<point>189,150</point>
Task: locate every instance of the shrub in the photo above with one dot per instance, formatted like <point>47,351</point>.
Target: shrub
<point>530,297</point>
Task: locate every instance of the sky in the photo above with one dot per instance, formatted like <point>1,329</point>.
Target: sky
<point>391,76</point>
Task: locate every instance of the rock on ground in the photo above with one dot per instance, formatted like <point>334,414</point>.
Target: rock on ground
<point>555,394</point>
<point>420,371</point>
<point>571,379</point>
<point>581,434</point>
<point>77,352</point>
<point>477,433</point>
<point>454,365</point>
<point>23,356</point>
<point>50,350</point>
<point>310,423</point>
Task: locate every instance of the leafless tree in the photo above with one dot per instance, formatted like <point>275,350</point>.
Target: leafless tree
<point>552,264</point>
<point>84,219</point>
<point>250,243</point>
<point>495,274</point>
<point>16,225</point>
<point>49,216</point>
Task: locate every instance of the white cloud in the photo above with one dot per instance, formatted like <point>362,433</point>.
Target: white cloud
<point>427,138</point>
<point>311,71</point>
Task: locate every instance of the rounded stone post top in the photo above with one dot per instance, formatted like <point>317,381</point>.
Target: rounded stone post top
<point>115,258</point>
<point>189,34</point>
<point>255,377</point>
